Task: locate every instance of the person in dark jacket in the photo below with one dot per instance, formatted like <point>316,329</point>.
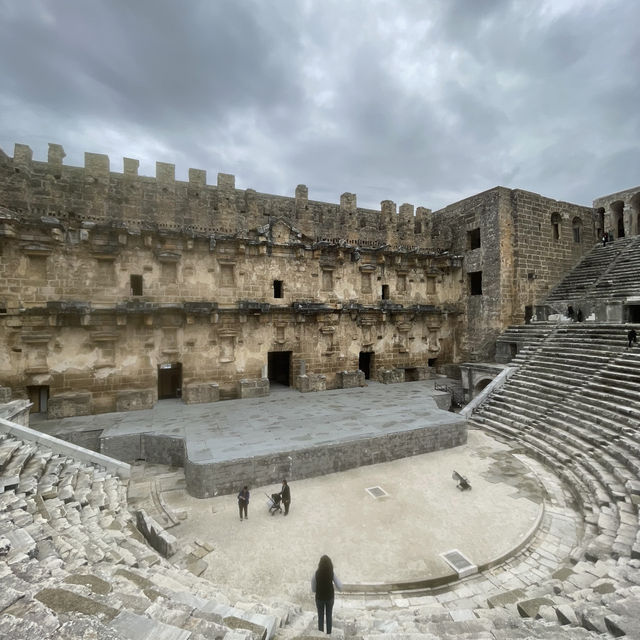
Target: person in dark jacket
<point>285,494</point>
<point>243,502</point>
<point>632,337</point>
<point>322,585</point>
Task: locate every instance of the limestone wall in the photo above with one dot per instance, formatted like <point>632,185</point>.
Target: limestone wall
<point>511,247</point>
<point>95,193</point>
<point>107,279</point>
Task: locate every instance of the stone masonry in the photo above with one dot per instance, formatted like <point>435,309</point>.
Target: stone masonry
<point>117,290</point>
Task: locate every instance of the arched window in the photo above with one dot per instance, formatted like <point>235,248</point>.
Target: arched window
<point>576,225</point>
<point>617,218</point>
<point>556,220</point>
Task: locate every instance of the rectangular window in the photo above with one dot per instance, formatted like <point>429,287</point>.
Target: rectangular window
<point>475,283</point>
<point>431,285</point>
<point>385,291</point>
<point>278,289</point>
<point>473,239</point>
<point>576,235</point>
<point>136,285</point>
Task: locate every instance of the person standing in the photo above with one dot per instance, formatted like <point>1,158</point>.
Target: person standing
<point>243,502</point>
<point>322,585</point>
<point>632,337</point>
<point>285,494</point>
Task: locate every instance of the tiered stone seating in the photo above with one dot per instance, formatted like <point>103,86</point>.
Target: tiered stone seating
<point>598,267</point>
<point>73,565</point>
<point>621,279</point>
<point>511,342</point>
<point>574,403</point>
<point>72,562</point>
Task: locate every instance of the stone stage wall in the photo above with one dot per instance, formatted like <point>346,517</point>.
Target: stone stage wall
<point>212,479</point>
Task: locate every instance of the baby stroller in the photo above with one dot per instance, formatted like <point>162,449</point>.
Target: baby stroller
<point>274,503</point>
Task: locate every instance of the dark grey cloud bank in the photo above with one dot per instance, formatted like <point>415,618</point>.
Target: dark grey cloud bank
<point>410,100</point>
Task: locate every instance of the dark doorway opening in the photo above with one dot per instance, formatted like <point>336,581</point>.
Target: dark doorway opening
<point>528,314</point>
<point>411,374</point>
<point>633,313</point>
<point>365,362</point>
<point>431,362</point>
<point>169,380</point>
<point>39,396</point>
<point>475,283</point>
<point>279,366</point>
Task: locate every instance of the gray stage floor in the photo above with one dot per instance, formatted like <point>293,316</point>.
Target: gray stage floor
<point>284,420</point>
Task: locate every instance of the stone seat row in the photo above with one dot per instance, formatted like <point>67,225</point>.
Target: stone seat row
<point>600,263</point>
<point>48,536</point>
<point>61,585</point>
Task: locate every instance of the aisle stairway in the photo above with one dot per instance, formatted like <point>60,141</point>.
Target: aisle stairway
<point>609,271</point>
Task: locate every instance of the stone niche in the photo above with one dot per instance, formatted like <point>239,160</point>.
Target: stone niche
<point>134,400</point>
<point>66,405</point>
<point>351,379</point>
<point>391,376</point>
<point>199,392</point>
<point>257,388</point>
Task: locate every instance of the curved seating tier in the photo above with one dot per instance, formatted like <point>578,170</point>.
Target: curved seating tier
<point>609,271</point>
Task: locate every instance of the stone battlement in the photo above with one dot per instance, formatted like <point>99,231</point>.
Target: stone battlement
<point>95,193</point>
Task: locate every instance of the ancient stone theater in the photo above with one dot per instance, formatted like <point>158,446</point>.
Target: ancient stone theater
<point>452,396</point>
<point>119,290</point>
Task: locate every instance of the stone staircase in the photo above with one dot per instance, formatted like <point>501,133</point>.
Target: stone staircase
<point>517,338</point>
<point>606,272</point>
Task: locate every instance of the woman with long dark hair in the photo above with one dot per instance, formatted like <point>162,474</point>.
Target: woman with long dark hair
<point>322,585</point>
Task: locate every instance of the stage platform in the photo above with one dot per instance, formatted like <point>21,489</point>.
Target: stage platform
<point>224,445</point>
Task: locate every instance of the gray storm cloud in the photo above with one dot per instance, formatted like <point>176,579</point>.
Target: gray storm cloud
<point>410,101</point>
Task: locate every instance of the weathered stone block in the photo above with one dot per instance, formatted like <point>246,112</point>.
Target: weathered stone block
<point>164,543</point>
<point>5,394</point>
<point>350,379</point>
<point>134,400</point>
<point>253,388</point>
<point>529,608</point>
<point>200,392</point>
<point>391,376</point>
<point>65,405</point>
<point>311,382</point>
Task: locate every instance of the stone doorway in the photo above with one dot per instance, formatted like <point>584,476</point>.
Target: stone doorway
<point>39,396</point>
<point>279,367</point>
<point>365,363</point>
<point>632,313</point>
<point>169,380</point>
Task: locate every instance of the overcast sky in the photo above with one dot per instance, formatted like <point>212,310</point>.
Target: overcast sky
<point>419,101</point>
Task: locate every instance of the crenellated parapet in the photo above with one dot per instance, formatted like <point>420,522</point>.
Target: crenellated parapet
<point>95,193</point>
